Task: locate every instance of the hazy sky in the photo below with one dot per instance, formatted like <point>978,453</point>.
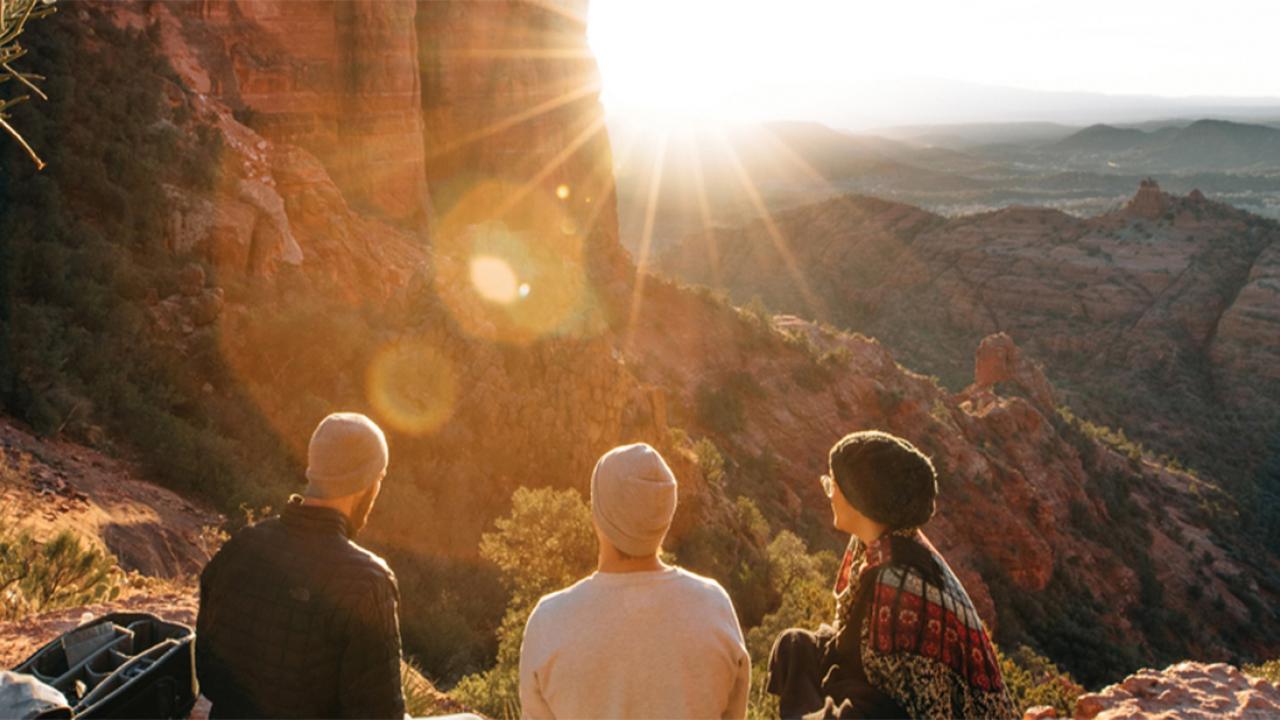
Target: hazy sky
<point>750,59</point>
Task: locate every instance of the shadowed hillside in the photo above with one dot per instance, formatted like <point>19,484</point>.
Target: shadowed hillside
<point>1154,317</point>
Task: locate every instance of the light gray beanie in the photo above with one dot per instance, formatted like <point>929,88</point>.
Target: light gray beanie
<point>633,498</point>
<point>347,453</point>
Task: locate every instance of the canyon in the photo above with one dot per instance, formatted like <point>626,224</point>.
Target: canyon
<point>374,163</point>
<point>1157,317</point>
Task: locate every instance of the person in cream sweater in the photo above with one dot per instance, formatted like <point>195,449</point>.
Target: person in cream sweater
<point>637,638</point>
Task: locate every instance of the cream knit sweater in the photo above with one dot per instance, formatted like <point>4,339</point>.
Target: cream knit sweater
<point>663,644</point>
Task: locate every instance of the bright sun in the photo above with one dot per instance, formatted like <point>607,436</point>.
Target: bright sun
<point>868,63</point>
<point>659,61</point>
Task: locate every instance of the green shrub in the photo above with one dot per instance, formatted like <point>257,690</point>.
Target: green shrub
<point>1269,670</point>
<point>710,462</point>
<point>63,572</point>
<point>803,582</point>
<point>1034,680</point>
<point>544,544</point>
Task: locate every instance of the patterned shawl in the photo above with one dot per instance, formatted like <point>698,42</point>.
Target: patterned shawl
<point>921,641</point>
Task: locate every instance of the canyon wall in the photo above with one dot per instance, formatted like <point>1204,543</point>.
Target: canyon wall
<point>339,79</point>
<point>408,104</point>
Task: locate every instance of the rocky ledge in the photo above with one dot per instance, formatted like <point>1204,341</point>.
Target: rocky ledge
<point>1185,690</point>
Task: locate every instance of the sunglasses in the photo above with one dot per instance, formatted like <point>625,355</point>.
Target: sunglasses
<point>828,485</point>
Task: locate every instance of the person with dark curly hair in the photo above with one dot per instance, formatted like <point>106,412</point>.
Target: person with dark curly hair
<point>906,641</point>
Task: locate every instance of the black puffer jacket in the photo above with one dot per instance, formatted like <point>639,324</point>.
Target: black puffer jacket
<point>298,621</point>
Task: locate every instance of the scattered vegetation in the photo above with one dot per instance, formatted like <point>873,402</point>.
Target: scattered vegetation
<point>1269,670</point>
<point>62,572</point>
<point>722,407</point>
<point>803,582</point>
<point>1114,439</point>
<point>544,544</point>
<point>1034,680</point>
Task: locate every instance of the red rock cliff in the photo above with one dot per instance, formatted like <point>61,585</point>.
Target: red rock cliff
<point>338,78</point>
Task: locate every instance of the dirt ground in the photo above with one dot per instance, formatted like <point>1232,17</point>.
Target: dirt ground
<point>47,485</point>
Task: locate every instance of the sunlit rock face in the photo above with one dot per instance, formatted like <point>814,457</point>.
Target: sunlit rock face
<point>509,96</point>
<point>366,136</point>
<point>446,163</point>
<point>340,79</point>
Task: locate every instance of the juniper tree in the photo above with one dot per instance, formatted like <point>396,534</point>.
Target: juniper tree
<point>14,16</point>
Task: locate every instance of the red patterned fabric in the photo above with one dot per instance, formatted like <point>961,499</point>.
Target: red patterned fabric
<point>925,612</point>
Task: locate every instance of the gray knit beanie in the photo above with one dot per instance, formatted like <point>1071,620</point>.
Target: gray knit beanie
<point>347,453</point>
<point>633,498</point>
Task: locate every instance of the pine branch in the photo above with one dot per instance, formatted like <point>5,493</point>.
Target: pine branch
<point>14,15</point>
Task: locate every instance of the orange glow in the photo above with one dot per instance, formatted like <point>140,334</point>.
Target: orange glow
<point>646,238</point>
<point>412,387</point>
<point>511,265</point>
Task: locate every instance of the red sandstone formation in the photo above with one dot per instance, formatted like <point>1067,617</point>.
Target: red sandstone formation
<point>339,79</point>
<point>1014,485</point>
<point>1185,690</point>
<point>999,360</point>
<point>1149,203</point>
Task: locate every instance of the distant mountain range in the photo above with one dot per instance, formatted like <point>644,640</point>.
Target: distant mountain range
<point>1204,145</point>
<point>716,177</point>
<point>938,101</point>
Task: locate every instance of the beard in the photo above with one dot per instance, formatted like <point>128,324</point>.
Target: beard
<point>360,513</point>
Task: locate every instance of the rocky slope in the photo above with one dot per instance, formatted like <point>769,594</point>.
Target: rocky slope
<point>509,341</point>
<point>1155,317</point>
<point>1033,509</point>
<point>1187,690</point>
<point>49,485</point>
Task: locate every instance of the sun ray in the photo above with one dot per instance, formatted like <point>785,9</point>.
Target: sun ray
<point>604,166</point>
<point>525,115</point>
<point>775,233</point>
<point>704,209</point>
<point>789,154</point>
<point>646,238</point>
<point>595,126</point>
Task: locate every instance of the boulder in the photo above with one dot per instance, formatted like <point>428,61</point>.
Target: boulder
<point>1186,690</point>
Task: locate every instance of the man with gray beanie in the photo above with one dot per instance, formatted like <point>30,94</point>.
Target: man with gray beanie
<point>638,638</point>
<point>296,620</point>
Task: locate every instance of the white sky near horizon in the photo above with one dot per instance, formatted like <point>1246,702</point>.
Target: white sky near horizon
<point>771,59</point>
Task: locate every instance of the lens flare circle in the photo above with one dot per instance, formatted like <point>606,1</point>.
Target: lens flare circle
<point>412,386</point>
<point>511,265</point>
<point>494,279</point>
